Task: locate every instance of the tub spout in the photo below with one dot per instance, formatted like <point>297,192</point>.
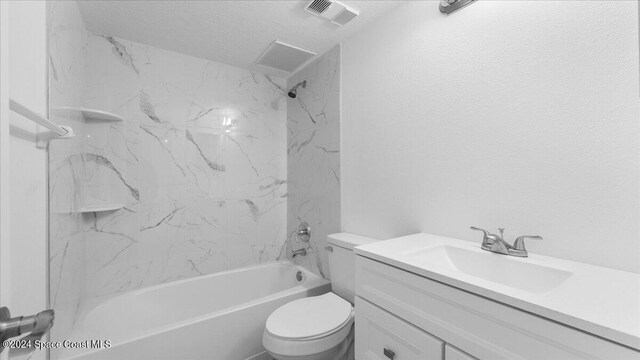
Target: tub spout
<point>300,252</point>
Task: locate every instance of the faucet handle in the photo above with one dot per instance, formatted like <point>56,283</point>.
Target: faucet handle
<point>486,233</point>
<point>519,243</point>
<point>488,239</point>
<point>304,232</point>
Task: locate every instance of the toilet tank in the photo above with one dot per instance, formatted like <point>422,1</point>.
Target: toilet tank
<point>342,262</point>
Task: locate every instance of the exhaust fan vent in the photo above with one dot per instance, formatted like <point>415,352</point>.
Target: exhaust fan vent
<point>284,57</point>
<point>344,17</point>
<point>333,11</point>
<point>319,6</point>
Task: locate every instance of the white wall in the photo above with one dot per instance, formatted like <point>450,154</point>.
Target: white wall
<point>5,216</point>
<point>26,262</point>
<point>515,114</point>
<point>28,164</point>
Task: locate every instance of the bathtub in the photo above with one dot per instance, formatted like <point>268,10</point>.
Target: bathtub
<point>213,317</point>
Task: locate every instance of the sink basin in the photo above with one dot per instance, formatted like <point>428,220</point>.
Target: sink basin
<point>596,300</point>
<point>519,273</point>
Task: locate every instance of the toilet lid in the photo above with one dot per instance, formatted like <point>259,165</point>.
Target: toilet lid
<point>309,317</point>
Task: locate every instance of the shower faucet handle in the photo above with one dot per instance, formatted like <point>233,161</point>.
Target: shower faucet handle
<point>304,232</point>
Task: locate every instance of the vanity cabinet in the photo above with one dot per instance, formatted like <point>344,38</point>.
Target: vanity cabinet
<point>424,319</point>
<point>382,336</point>
<point>452,353</point>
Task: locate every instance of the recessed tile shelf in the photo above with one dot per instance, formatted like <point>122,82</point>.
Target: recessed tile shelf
<point>99,208</point>
<point>98,115</point>
<point>90,114</point>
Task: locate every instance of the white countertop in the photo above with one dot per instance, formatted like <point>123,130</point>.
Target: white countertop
<point>597,300</point>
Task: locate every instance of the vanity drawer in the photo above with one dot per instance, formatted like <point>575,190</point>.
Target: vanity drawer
<point>452,353</point>
<point>481,327</point>
<point>382,336</point>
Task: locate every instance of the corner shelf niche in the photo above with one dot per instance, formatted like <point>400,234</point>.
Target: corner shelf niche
<point>99,208</point>
<point>90,115</point>
<point>98,115</point>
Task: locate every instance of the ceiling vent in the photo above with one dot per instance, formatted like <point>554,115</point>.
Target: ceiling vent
<point>284,57</point>
<point>334,11</point>
<point>318,6</point>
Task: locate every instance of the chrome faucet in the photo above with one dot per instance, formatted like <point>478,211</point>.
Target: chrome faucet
<point>304,232</point>
<point>495,243</point>
<point>299,252</point>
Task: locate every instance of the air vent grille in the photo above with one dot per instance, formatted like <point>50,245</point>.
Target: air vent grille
<point>319,6</point>
<point>344,17</point>
<point>334,11</point>
<point>284,57</point>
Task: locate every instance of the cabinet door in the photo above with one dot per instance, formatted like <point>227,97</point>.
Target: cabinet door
<point>452,353</point>
<point>382,336</point>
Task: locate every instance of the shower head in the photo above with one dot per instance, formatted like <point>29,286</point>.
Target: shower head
<point>294,90</point>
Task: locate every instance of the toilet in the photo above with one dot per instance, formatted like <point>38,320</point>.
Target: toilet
<point>319,327</point>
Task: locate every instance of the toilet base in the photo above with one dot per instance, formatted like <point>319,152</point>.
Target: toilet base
<point>343,351</point>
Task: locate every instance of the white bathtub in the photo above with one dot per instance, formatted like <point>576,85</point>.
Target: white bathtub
<point>214,317</point>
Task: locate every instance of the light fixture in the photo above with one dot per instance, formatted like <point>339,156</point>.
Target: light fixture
<point>449,6</point>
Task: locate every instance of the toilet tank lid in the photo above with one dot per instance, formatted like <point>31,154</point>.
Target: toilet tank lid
<point>348,240</point>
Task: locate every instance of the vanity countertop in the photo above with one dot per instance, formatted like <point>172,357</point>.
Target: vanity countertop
<point>601,301</point>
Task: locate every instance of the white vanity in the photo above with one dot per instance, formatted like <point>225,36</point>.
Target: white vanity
<point>431,297</point>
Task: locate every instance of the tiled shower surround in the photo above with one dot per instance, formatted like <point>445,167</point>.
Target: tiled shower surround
<point>197,170</point>
<point>313,165</point>
<point>199,163</point>
<point>198,166</point>
<point>67,246</point>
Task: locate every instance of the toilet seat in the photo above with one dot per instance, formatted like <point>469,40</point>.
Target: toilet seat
<point>309,318</point>
<point>308,325</point>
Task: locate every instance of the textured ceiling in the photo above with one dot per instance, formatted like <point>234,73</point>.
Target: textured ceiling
<point>231,32</point>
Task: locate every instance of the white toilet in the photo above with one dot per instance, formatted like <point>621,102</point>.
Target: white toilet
<point>319,327</point>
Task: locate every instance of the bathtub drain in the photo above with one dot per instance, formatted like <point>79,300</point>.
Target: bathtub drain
<point>299,276</point>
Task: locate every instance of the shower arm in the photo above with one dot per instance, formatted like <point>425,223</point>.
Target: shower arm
<point>294,90</point>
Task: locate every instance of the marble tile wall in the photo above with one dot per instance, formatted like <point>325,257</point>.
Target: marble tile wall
<point>199,164</point>
<point>198,167</point>
<point>209,165</point>
<point>67,262</point>
<point>313,150</point>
